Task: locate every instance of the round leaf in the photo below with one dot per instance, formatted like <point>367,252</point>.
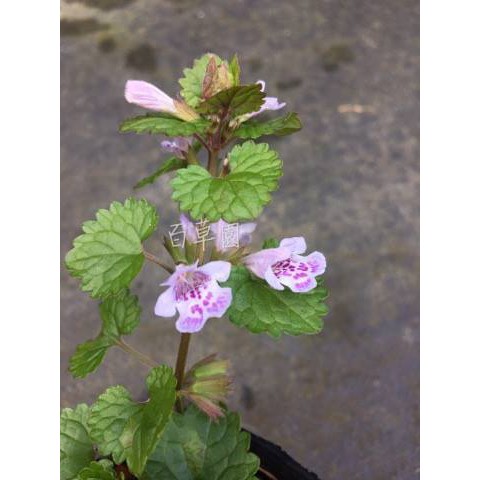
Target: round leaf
<point>76,448</point>
<point>240,195</point>
<point>261,309</point>
<point>196,448</point>
<point>109,255</point>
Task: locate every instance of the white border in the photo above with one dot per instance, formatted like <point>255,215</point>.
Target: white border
<point>29,126</point>
<point>450,127</point>
<point>450,240</point>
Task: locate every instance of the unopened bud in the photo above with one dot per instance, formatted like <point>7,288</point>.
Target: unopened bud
<point>207,384</point>
<point>214,388</point>
<point>217,367</point>
<point>217,78</point>
<point>210,408</point>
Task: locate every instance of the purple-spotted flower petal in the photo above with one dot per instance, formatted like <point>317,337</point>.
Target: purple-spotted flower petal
<point>148,96</point>
<point>228,235</point>
<point>178,146</point>
<point>284,266</point>
<point>260,262</point>
<point>194,292</point>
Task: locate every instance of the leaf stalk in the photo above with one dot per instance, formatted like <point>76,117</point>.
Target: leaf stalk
<point>135,353</point>
<point>154,259</point>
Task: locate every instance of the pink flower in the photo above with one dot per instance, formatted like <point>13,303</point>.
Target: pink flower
<point>178,146</point>
<point>188,228</point>
<point>269,103</point>
<point>285,266</point>
<point>195,293</point>
<point>148,96</point>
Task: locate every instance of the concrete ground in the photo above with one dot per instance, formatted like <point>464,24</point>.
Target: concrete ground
<point>345,402</point>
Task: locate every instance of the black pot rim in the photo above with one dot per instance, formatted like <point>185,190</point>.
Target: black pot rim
<point>277,463</point>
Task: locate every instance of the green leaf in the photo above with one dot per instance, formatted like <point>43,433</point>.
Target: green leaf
<point>234,68</point>
<point>120,316</point>
<point>259,308</point>
<point>289,123</point>
<point>88,356</point>
<point>109,255</point>
<point>240,195</point>
<point>169,165</point>
<point>161,385</point>
<point>192,81</point>
<point>193,447</point>
<point>76,448</point>
<point>109,422</point>
<point>101,470</point>
<point>270,243</point>
<point>165,124</point>
<point>234,100</point>
<point>127,430</point>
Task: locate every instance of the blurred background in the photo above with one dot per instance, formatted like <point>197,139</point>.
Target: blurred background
<point>344,403</point>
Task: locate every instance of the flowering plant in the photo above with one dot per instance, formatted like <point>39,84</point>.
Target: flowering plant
<point>185,430</point>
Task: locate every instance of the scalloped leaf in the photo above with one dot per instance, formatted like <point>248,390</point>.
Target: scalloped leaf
<point>194,447</point>
<point>169,165</point>
<point>120,316</point>
<point>261,309</point>
<point>192,80</point>
<point>286,125</point>
<point>76,448</point>
<point>234,101</point>
<point>240,195</point>
<point>111,416</point>
<point>161,383</point>
<point>88,356</point>
<point>130,431</point>
<point>101,470</point>
<point>109,255</point>
<point>162,123</point>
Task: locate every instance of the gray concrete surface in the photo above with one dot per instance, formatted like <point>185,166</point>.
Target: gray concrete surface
<point>345,402</point>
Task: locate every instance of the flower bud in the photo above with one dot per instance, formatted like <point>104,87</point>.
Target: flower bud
<point>217,78</point>
<point>207,385</point>
<point>211,369</point>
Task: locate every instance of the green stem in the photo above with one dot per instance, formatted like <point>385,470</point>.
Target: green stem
<point>191,157</point>
<point>181,363</point>
<point>201,140</point>
<point>135,353</point>
<point>216,144</point>
<point>212,162</point>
